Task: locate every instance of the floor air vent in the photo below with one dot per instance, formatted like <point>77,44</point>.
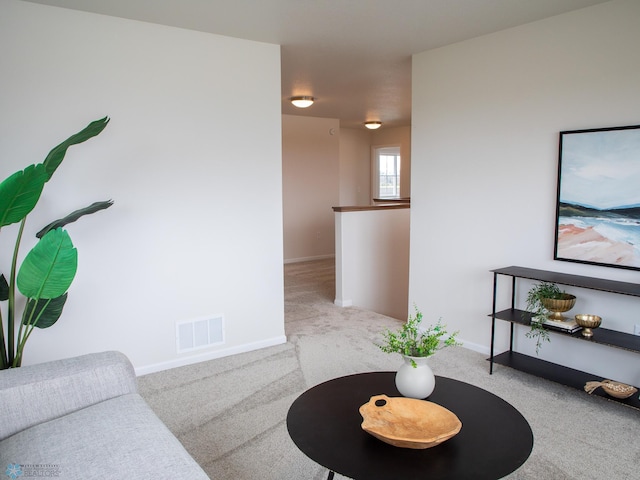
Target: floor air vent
<point>199,333</point>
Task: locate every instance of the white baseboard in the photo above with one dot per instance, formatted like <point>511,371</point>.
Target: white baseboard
<point>343,303</point>
<point>309,259</point>
<point>203,357</point>
<point>248,347</point>
<point>476,347</point>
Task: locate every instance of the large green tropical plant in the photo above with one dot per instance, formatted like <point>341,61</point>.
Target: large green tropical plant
<point>49,268</point>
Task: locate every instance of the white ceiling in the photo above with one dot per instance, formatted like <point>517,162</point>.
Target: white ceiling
<point>354,56</point>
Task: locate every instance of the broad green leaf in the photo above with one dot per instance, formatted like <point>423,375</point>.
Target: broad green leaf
<point>56,155</point>
<point>4,289</point>
<point>49,311</point>
<point>49,268</point>
<point>20,193</point>
<point>72,217</point>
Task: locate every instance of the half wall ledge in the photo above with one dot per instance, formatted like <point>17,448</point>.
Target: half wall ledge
<point>372,258</point>
<point>379,206</point>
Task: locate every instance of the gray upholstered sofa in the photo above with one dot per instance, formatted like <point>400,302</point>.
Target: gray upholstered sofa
<point>82,418</point>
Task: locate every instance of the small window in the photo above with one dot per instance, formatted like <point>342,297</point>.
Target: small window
<point>386,172</point>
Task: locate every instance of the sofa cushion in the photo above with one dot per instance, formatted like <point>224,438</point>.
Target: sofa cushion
<point>118,438</point>
<point>38,393</point>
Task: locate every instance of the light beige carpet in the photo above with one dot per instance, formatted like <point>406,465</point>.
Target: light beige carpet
<point>230,413</point>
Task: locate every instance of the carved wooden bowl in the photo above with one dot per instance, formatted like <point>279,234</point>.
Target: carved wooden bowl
<point>617,389</point>
<point>407,422</point>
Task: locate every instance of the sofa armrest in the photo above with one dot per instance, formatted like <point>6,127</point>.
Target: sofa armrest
<point>37,393</point>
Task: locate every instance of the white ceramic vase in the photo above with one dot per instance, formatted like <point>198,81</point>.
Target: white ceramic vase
<point>415,382</point>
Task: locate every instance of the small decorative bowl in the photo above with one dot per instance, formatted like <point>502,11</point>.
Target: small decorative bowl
<point>588,322</point>
<point>617,389</point>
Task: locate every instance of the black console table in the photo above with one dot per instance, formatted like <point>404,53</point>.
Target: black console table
<point>551,371</point>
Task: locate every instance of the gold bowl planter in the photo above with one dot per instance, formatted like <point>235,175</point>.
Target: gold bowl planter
<point>588,322</point>
<point>557,306</point>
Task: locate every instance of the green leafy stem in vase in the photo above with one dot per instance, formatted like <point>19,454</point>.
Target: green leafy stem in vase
<point>411,341</point>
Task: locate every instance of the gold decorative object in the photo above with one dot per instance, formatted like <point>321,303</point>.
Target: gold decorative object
<point>557,306</point>
<point>407,422</point>
<point>588,322</point>
<point>615,389</point>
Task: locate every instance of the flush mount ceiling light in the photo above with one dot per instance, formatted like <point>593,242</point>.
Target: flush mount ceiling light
<point>302,101</point>
<point>372,125</point>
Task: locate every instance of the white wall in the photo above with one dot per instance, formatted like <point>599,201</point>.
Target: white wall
<point>192,158</point>
<point>355,166</point>
<point>310,172</point>
<point>486,117</point>
<point>372,260</point>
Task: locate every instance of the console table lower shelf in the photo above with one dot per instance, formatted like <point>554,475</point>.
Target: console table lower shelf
<point>559,374</point>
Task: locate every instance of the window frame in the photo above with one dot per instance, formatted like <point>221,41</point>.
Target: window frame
<point>376,151</point>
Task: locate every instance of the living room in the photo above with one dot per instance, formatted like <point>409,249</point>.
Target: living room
<point>485,130</point>
<point>192,158</point>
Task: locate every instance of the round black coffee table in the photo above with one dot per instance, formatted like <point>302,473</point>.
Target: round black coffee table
<point>324,422</point>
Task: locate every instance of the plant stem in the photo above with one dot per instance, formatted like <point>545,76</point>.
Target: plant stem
<point>4,361</point>
<point>29,326</point>
<point>12,297</point>
<point>22,342</point>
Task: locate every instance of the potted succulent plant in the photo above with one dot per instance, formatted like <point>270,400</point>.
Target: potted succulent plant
<point>546,300</point>
<point>414,377</point>
<point>49,267</point>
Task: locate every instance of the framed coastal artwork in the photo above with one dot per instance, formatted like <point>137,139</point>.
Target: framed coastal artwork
<point>598,206</point>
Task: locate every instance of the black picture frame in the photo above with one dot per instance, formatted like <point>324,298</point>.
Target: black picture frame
<point>598,197</point>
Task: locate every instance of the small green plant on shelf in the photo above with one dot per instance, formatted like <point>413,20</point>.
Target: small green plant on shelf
<point>411,341</point>
<point>538,312</point>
